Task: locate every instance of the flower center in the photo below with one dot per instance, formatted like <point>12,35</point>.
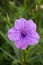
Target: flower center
<point>23,34</point>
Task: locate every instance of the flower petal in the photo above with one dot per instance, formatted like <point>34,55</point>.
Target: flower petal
<point>25,44</point>
<point>19,24</point>
<point>13,34</point>
<point>23,24</point>
<point>33,38</point>
<point>22,43</point>
<point>31,25</point>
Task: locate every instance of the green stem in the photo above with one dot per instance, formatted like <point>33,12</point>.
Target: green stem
<point>25,4</point>
<point>8,21</point>
<point>24,57</point>
<point>38,14</point>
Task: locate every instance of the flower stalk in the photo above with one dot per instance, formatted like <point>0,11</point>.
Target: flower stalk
<point>24,57</point>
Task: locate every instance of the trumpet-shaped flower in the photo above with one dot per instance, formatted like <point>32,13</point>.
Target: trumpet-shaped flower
<point>23,33</point>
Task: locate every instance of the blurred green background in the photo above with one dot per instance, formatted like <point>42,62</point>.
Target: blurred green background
<point>10,10</point>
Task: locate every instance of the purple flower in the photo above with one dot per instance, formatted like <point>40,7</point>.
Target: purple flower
<point>23,33</point>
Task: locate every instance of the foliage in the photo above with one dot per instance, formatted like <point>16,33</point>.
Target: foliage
<point>10,10</point>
